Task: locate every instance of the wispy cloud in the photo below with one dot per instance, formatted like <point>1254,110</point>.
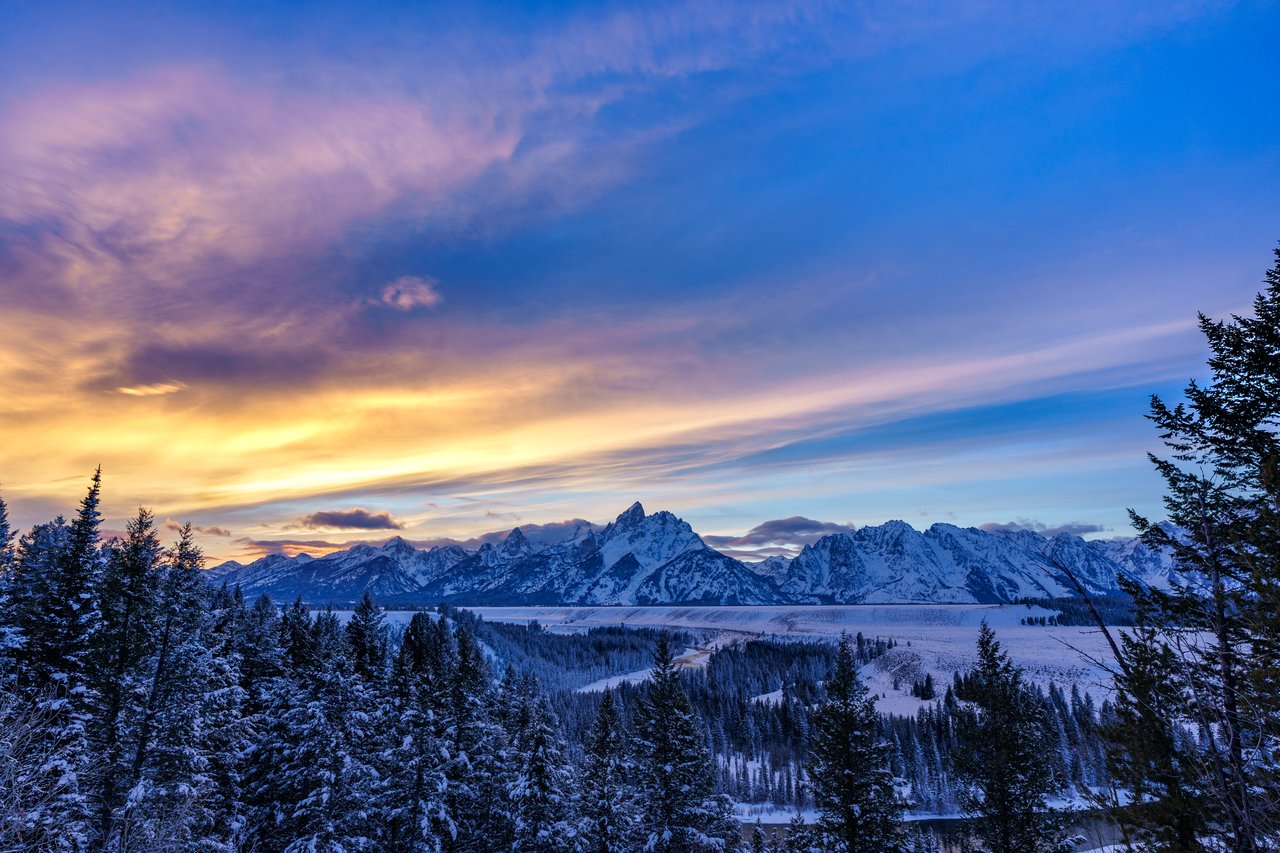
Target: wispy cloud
<point>409,292</point>
<point>155,390</point>
<point>174,526</point>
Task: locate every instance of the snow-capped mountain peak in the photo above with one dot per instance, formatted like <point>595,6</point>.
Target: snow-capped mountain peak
<point>657,558</point>
<point>632,516</point>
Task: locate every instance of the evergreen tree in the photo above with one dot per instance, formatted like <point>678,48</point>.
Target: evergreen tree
<point>1147,749</point>
<point>542,791</point>
<point>366,638</point>
<point>312,782</point>
<point>225,729</point>
<point>852,786</point>
<point>798,837</point>
<point>607,802</point>
<point>260,656</point>
<point>677,782</point>
<point>414,810</point>
<point>479,766</point>
<point>6,539</point>
<point>57,621</point>
<point>1215,630</point>
<point>167,802</point>
<point>1004,753</point>
<point>127,607</point>
<point>298,639</point>
<point>9,634</point>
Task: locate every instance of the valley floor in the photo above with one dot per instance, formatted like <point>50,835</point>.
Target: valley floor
<point>932,638</point>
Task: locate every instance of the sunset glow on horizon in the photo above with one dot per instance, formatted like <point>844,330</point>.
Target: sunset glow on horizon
<point>306,277</point>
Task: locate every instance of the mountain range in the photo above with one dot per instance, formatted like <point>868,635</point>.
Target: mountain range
<point>657,558</point>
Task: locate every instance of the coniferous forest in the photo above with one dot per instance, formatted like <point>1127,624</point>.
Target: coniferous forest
<point>144,709</point>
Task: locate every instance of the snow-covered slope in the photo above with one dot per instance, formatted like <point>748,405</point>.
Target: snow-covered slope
<point>657,558</point>
<point>949,564</point>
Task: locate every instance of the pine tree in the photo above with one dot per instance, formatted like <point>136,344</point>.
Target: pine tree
<point>1147,749</point>
<point>677,781</point>
<point>225,730</point>
<point>167,769</point>
<point>414,811</point>
<point>260,656</point>
<point>607,802</point>
<point>852,787</point>
<point>27,588</point>
<point>798,837</point>
<point>479,766</point>
<point>542,791</point>
<point>366,638</point>
<point>10,595</point>
<point>1217,627</point>
<point>311,781</point>
<point>6,539</point>
<point>56,619</point>
<point>298,639</point>
<point>127,607</point>
<point>1004,753</point>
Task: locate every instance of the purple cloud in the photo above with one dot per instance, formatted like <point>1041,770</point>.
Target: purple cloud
<point>356,518</point>
<point>409,292</point>
<point>1075,528</point>
<point>778,537</point>
<point>175,526</point>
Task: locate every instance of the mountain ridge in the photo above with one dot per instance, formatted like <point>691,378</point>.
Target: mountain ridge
<point>658,559</point>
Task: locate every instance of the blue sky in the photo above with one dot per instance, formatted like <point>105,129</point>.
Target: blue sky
<point>474,265</point>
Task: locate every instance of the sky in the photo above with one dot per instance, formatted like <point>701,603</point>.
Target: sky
<point>306,274</point>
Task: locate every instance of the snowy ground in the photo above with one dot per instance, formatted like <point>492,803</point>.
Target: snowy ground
<point>694,658</point>
<point>932,638</point>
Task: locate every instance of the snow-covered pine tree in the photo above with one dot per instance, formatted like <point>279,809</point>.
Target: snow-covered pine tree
<point>298,639</point>
<point>168,805</point>
<point>26,591</point>
<point>127,607</point>
<point>225,730</point>
<point>1005,755</point>
<point>607,802</point>
<point>54,620</point>
<point>311,782</point>
<point>542,791</point>
<point>412,797</point>
<point>260,656</point>
<point>849,766</point>
<point>798,837</point>
<point>681,810</point>
<point>367,641</point>
<point>6,538</point>
<point>479,766</point>
<point>9,634</point>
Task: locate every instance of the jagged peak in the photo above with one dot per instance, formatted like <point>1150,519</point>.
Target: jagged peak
<point>516,541</point>
<point>398,544</point>
<point>631,516</point>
